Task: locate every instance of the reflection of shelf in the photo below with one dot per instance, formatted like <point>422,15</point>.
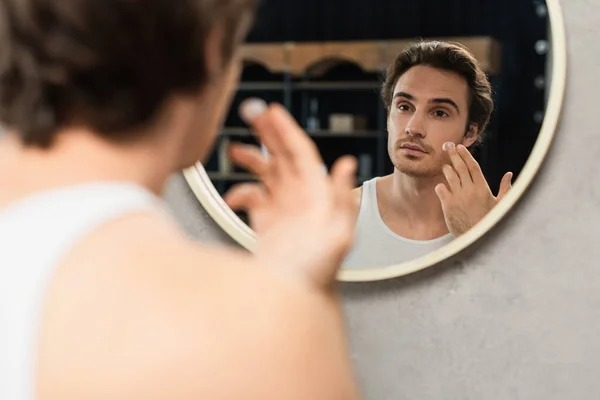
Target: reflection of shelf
<point>228,131</point>
<point>319,133</point>
<point>351,85</point>
<point>315,58</point>
<point>261,86</point>
<point>242,176</point>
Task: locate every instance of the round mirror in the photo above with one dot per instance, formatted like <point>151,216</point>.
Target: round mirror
<point>488,78</point>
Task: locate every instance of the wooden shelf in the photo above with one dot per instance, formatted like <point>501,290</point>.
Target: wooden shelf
<point>316,58</point>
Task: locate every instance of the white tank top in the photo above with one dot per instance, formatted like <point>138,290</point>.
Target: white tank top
<point>35,234</point>
<point>376,245</point>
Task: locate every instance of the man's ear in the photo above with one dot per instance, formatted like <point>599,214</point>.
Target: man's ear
<point>217,37</point>
<point>212,51</point>
<point>471,135</point>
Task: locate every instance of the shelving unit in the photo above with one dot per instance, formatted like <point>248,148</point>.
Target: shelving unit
<point>295,95</point>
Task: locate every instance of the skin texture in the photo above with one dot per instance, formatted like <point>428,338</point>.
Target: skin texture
<point>136,310</point>
<point>429,194</point>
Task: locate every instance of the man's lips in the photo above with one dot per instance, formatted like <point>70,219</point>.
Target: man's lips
<point>411,146</point>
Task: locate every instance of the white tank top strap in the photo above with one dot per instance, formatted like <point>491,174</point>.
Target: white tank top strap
<point>370,189</point>
<point>368,204</point>
<point>61,216</point>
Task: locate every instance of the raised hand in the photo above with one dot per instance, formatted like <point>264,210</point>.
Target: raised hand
<point>304,218</point>
<point>468,197</point>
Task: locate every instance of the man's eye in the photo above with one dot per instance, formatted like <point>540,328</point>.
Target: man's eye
<point>403,107</point>
<point>441,114</point>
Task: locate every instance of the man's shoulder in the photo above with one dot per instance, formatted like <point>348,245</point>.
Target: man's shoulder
<point>152,245</point>
<point>358,192</point>
<point>162,303</point>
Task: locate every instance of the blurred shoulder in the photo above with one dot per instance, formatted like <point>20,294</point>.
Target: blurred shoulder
<point>137,301</point>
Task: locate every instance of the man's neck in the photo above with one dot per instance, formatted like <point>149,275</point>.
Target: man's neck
<point>78,157</point>
<point>413,200</point>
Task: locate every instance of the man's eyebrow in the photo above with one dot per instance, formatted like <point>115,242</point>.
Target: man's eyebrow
<point>405,95</point>
<point>445,100</point>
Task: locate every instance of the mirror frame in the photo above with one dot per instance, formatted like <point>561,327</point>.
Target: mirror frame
<point>211,200</point>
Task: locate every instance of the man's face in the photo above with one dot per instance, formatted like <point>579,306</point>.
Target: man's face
<point>433,106</point>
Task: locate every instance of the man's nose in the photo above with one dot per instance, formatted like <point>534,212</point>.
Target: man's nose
<point>415,126</point>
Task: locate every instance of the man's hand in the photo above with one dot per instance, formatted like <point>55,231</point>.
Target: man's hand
<point>304,219</point>
<point>467,198</point>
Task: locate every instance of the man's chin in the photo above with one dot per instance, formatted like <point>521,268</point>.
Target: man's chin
<point>415,172</point>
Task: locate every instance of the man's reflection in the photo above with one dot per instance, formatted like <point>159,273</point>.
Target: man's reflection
<point>438,102</point>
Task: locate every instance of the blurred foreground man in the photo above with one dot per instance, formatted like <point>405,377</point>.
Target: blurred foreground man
<point>101,295</point>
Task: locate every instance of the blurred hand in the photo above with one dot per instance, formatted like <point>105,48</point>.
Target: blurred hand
<point>304,219</point>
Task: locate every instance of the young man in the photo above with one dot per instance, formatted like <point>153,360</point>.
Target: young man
<point>438,103</point>
<point>101,295</point>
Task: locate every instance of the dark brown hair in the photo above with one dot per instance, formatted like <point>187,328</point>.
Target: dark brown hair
<point>105,64</point>
<point>451,57</point>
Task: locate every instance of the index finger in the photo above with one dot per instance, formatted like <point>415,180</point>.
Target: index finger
<point>284,138</point>
<point>461,168</point>
<point>471,163</point>
<point>252,111</point>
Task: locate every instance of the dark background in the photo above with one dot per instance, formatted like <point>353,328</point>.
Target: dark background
<point>516,24</point>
